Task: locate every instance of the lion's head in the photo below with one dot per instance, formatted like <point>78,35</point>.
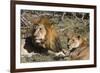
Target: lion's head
<point>74,42</point>
<point>39,33</point>
<point>44,34</point>
<point>78,47</point>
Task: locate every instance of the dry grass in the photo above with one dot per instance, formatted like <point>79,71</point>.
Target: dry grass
<point>69,24</point>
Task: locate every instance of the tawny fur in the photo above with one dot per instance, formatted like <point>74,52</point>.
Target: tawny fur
<point>51,38</point>
<point>81,48</point>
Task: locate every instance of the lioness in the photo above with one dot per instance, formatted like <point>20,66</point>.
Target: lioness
<point>78,47</point>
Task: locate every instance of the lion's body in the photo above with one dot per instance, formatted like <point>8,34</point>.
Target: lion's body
<point>79,49</point>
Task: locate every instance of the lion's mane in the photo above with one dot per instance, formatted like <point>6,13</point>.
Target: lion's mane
<point>52,41</point>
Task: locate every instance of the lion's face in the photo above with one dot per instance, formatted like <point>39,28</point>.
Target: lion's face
<point>39,33</point>
<point>44,35</point>
<point>74,42</point>
<point>78,47</point>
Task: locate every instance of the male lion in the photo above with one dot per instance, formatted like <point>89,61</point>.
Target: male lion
<point>45,38</point>
<point>78,47</point>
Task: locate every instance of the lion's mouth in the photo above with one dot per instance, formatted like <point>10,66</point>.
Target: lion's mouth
<point>38,40</point>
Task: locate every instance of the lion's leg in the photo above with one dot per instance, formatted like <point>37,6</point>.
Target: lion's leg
<point>60,53</point>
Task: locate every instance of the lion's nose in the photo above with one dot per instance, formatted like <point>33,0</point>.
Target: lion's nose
<point>36,33</point>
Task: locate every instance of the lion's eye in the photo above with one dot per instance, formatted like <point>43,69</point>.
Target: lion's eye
<point>72,40</point>
<point>34,27</point>
<point>40,28</point>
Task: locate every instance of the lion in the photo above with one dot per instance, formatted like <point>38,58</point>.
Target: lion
<point>45,37</point>
<point>78,47</point>
<point>44,40</point>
